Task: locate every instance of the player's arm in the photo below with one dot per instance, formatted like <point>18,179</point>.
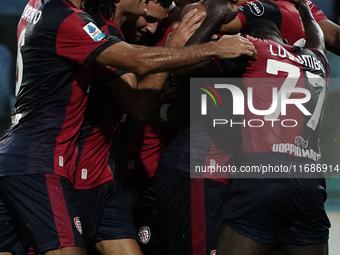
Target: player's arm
<point>146,60</point>
<point>233,27</point>
<point>314,34</point>
<point>331,30</point>
<point>332,35</point>
<point>219,12</point>
<point>244,15</point>
<point>137,98</point>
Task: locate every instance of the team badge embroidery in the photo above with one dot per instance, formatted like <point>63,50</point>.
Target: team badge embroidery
<point>77,223</point>
<point>213,252</point>
<point>144,234</point>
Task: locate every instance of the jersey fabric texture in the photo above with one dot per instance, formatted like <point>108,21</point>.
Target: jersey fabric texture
<point>55,56</point>
<point>277,66</point>
<point>190,213</point>
<point>286,208</point>
<point>283,13</point>
<point>98,196</point>
<point>102,115</point>
<point>137,148</point>
<point>56,223</point>
<point>104,214</point>
<point>140,143</point>
<point>139,198</point>
<point>57,44</point>
<point>182,151</point>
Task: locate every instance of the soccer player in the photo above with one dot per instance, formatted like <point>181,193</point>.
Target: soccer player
<point>58,43</point>
<point>190,208</point>
<point>107,223</point>
<point>284,16</point>
<point>264,211</point>
<point>138,144</point>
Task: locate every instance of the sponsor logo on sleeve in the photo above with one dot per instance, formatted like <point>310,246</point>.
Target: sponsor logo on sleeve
<point>256,8</point>
<point>94,32</point>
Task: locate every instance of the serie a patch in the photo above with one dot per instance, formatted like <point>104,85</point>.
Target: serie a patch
<point>94,32</point>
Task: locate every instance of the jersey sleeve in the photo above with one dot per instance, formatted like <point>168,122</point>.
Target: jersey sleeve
<point>80,40</point>
<point>115,32</point>
<point>323,59</point>
<point>260,10</point>
<point>241,16</point>
<point>318,14</point>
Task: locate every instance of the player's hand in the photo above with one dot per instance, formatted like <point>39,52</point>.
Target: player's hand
<point>232,46</point>
<point>187,27</point>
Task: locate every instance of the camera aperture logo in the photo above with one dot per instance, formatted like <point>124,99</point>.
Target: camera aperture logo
<point>204,98</point>
<point>280,100</point>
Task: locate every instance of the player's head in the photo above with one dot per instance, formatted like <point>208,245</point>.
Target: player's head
<point>104,7</point>
<point>157,10</point>
<point>264,29</point>
<point>132,7</point>
<point>186,7</point>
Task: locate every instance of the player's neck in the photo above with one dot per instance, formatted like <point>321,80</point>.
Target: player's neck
<point>119,17</point>
<point>277,39</point>
<point>76,3</point>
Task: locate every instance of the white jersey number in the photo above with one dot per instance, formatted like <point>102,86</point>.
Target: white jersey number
<point>294,72</point>
<point>20,64</point>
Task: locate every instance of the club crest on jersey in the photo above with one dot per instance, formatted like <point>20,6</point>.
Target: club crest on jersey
<point>256,8</point>
<point>213,252</point>
<point>94,32</point>
<point>144,234</point>
<point>77,223</point>
<point>299,141</point>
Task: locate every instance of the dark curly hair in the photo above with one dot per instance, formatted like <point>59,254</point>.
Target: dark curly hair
<point>106,8</point>
<point>164,3</point>
<point>261,28</point>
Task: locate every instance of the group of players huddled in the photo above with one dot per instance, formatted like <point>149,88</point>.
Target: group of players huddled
<point>98,158</point>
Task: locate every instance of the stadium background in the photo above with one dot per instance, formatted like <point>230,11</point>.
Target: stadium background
<point>10,11</point>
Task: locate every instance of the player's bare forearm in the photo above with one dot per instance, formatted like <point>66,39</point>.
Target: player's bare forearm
<point>314,34</point>
<point>138,98</point>
<point>149,89</point>
<point>147,60</point>
<point>332,35</point>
